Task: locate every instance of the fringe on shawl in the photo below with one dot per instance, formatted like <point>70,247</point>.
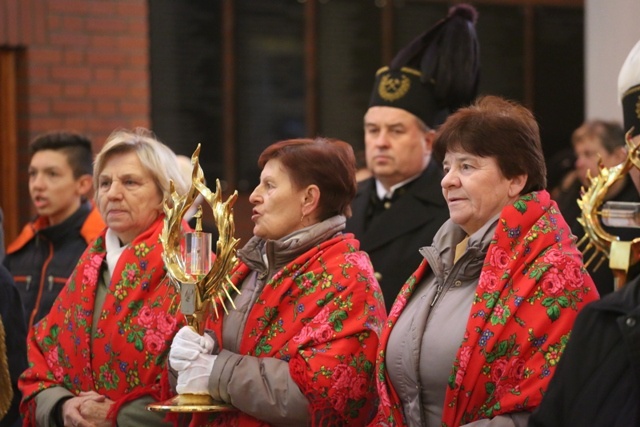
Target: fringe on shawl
<point>322,413</point>
<point>28,410</point>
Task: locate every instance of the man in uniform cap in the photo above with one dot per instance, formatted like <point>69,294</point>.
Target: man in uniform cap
<point>401,207</point>
<point>597,382</point>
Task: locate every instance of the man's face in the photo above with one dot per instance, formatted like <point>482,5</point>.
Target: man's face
<point>396,147</point>
<point>588,151</point>
<point>55,192</point>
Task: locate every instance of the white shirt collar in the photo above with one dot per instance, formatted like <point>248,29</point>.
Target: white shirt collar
<point>114,250</point>
<point>382,192</point>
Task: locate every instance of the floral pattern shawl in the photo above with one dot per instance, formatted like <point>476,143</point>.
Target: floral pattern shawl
<point>531,287</point>
<point>125,356</point>
<point>322,313</point>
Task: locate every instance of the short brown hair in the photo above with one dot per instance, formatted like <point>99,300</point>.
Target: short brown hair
<point>328,163</point>
<point>498,128</point>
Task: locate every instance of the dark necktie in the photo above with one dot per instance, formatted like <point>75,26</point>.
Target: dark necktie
<point>377,205</point>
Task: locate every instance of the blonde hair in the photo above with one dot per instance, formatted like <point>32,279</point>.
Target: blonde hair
<point>159,160</point>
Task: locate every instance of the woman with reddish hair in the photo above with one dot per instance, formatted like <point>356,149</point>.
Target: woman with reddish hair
<point>299,349</point>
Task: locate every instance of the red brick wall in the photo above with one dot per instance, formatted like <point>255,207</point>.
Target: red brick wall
<point>84,64</point>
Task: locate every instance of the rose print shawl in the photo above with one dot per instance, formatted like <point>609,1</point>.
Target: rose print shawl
<point>125,356</point>
<point>322,313</point>
<point>530,290</point>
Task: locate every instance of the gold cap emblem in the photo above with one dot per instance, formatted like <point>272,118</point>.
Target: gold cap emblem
<point>393,88</point>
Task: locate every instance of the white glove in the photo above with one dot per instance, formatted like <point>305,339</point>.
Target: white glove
<point>187,345</point>
<point>195,377</point>
<point>190,357</point>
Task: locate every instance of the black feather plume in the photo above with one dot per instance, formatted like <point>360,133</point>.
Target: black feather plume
<point>448,56</point>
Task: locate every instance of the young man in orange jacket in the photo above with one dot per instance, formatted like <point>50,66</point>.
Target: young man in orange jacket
<point>46,251</point>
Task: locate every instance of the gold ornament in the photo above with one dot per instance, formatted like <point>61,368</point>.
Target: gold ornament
<point>393,88</point>
<point>621,254</point>
<point>6,390</point>
<point>202,287</point>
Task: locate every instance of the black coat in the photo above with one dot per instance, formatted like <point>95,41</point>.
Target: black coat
<point>597,382</point>
<point>393,237</point>
<point>15,329</point>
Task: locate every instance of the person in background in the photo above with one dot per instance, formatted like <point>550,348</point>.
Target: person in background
<point>96,359</point>
<point>299,347</point>
<point>13,350</point>
<point>477,330</point>
<point>401,207</point>
<point>45,253</point>
<point>594,141</point>
<point>597,382</point>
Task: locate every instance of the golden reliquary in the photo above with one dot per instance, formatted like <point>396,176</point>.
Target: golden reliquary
<point>203,284</point>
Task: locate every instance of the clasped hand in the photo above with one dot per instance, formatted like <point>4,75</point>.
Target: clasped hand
<point>88,409</point>
<point>191,356</point>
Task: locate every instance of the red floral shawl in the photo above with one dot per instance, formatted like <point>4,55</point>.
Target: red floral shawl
<point>322,313</point>
<point>125,357</point>
<point>530,290</point>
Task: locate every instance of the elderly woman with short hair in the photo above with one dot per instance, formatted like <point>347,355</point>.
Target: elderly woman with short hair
<point>475,333</point>
<point>98,356</point>
<point>300,347</point>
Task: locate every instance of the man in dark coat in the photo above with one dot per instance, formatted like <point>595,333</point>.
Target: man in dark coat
<point>392,237</point>
<point>401,207</point>
<point>597,382</point>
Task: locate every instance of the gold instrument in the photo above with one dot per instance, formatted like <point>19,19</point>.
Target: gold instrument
<point>202,286</point>
<point>6,390</point>
<point>621,254</point>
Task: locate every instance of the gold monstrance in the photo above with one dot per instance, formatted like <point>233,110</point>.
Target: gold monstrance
<point>621,254</point>
<point>202,286</point>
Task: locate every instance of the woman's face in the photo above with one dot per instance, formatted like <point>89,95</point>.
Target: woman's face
<point>128,197</point>
<point>277,203</point>
<point>476,190</point>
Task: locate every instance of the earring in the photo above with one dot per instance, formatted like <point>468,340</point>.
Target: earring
<point>302,218</point>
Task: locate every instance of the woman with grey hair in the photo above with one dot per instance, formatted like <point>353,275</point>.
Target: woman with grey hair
<point>97,357</point>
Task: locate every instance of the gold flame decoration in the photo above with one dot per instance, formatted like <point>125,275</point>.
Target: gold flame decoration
<point>621,254</point>
<point>6,392</point>
<point>214,287</point>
